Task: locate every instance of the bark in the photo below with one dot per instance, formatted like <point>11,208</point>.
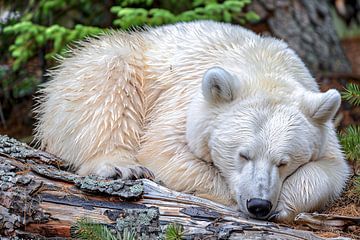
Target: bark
<point>326,221</point>
<point>39,199</point>
<point>307,26</point>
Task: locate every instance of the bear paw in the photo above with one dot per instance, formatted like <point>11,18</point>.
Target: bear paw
<point>134,172</point>
<point>283,215</point>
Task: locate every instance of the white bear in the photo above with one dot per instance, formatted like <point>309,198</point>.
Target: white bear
<point>210,108</point>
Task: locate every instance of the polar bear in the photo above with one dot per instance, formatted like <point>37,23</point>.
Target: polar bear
<point>209,108</point>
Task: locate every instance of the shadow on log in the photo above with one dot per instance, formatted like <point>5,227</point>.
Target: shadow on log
<point>39,199</point>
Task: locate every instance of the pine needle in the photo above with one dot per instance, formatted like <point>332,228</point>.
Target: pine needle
<point>174,231</point>
<point>87,229</point>
<point>350,140</point>
<point>352,94</point>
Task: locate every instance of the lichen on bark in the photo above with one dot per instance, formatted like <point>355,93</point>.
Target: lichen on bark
<point>125,189</point>
<point>145,222</point>
<point>19,205</point>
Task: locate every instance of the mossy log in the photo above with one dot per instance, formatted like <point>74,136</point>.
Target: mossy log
<point>39,199</point>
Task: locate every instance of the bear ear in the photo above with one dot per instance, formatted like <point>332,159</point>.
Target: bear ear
<point>218,85</point>
<point>322,107</point>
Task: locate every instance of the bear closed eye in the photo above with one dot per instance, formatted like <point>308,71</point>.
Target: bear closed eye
<point>237,119</point>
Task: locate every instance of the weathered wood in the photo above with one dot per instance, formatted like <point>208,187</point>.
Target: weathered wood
<point>39,198</point>
<point>327,222</point>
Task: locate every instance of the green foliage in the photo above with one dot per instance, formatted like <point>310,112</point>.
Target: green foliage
<point>38,30</point>
<point>174,232</point>
<point>352,94</point>
<point>50,25</point>
<point>30,37</point>
<point>88,230</point>
<point>227,11</point>
<point>350,140</point>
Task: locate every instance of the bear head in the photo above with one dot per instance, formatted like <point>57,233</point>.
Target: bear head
<point>256,138</point>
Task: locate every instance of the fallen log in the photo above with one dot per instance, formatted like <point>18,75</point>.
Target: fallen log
<point>39,199</point>
<point>326,222</point>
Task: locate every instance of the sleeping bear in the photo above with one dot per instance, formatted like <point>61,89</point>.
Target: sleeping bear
<point>207,108</point>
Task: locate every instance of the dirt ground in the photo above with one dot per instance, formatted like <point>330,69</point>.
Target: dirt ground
<point>347,205</point>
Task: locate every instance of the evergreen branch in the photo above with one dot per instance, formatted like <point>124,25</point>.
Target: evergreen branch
<point>36,29</point>
<point>87,229</point>
<point>350,141</point>
<point>174,232</point>
<point>352,94</point>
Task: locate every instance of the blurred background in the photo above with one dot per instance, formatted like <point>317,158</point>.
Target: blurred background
<point>326,35</point>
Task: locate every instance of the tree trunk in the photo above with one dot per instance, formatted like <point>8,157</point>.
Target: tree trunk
<point>307,26</point>
<point>39,199</point>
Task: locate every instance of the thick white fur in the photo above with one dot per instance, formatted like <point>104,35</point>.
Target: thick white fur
<point>143,98</point>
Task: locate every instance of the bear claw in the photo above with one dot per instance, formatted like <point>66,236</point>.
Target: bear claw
<point>273,216</point>
<point>133,173</point>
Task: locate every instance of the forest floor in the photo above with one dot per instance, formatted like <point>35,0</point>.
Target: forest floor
<point>347,205</point>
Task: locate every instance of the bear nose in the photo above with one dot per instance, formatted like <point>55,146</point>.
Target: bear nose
<point>258,207</point>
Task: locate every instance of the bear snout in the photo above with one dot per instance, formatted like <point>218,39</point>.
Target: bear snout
<point>260,208</point>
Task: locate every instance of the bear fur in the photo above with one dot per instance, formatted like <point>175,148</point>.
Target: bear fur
<point>210,108</point>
